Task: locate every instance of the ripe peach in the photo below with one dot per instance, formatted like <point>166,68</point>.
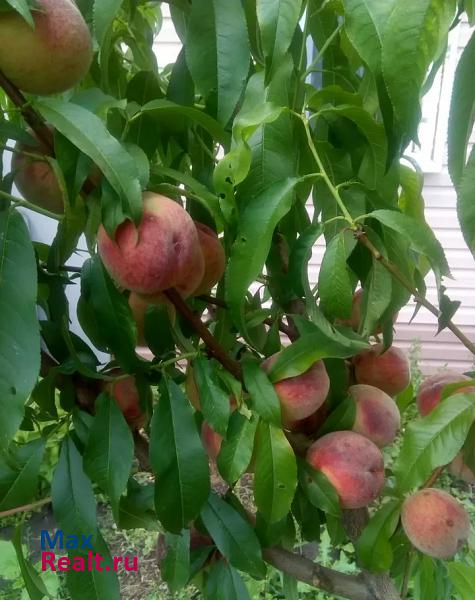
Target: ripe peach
<point>162,253</point>
<point>352,463</point>
<point>35,179</point>
<point>389,371</point>
<point>300,396</point>
<point>139,305</point>
<point>459,469</point>
<point>125,393</point>
<point>430,392</point>
<point>214,257</point>
<point>377,415</point>
<point>355,319</point>
<point>435,523</point>
<point>51,57</point>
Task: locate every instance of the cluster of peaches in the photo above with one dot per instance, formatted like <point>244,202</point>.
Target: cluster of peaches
<point>190,258</point>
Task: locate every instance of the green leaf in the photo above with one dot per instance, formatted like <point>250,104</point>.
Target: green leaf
<point>23,7</point>
<point>86,131</point>
<point>420,236</point>
<point>236,449</point>
<point>374,167</point>
<point>411,200</point>
<point>263,395</point>
<point>163,109</point>
<point>175,567</point>
<point>373,546</point>
<point>462,112</point>
<point>275,473</point>
<point>469,6</point>
<point>178,460</point>
<point>217,52</point>
<point>413,39</point>
<point>365,23</point>
<point>110,450</point>
<point>466,203</point>
<point>105,12</point>
<point>19,333</point>
<point>225,583</point>
<point>318,489</point>
<point>250,250</point>
<point>215,402</point>
<point>299,258</point>
<point>137,510</point>
<point>233,536</point>
<point>433,441</point>
<point>33,583</point>
<point>334,282</point>
<point>94,584</point>
<point>19,471</point>
<point>74,504</point>
<point>277,23</point>
<point>310,347</point>
<point>376,299</point>
<point>112,322</point>
<point>463,578</point>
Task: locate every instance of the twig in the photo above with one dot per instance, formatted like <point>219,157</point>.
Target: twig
<point>37,123</point>
<point>318,576</point>
<point>435,475</point>
<point>389,266</point>
<point>25,508</point>
<point>29,114</point>
<point>407,574</point>
<point>208,338</point>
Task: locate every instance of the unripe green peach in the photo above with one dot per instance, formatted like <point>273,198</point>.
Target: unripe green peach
<point>163,252</point>
<point>459,469</point>
<point>389,371</point>
<point>214,257</point>
<point>352,463</point>
<point>430,392</point>
<point>377,415</point>
<point>303,395</point>
<point>435,523</point>
<point>51,57</point>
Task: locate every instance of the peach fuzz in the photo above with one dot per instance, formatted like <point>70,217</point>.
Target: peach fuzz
<point>389,371</point>
<point>162,253</point>
<point>50,57</point>
<point>435,523</point>
<point>459,469</point>
<point>125,393</point>
<point>303,395</point>
<point>430,392</point>
<point>139,305</point>
<point>214,257</point>
<point>377,415</point>
<point>352,463</point>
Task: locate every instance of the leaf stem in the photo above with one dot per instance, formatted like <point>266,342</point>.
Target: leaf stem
<point>312,67</point>
<point>24,508</point>
<point>332,188</point>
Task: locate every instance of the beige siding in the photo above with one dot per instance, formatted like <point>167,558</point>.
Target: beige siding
<point>436,351</point>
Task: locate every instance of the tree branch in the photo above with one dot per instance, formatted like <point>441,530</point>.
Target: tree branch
<point>208,338</point>
<point>363,239</point>
<point>24,508</point>
<point>352,587</point>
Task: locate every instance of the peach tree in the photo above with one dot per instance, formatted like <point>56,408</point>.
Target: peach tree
<point>187,201</point>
